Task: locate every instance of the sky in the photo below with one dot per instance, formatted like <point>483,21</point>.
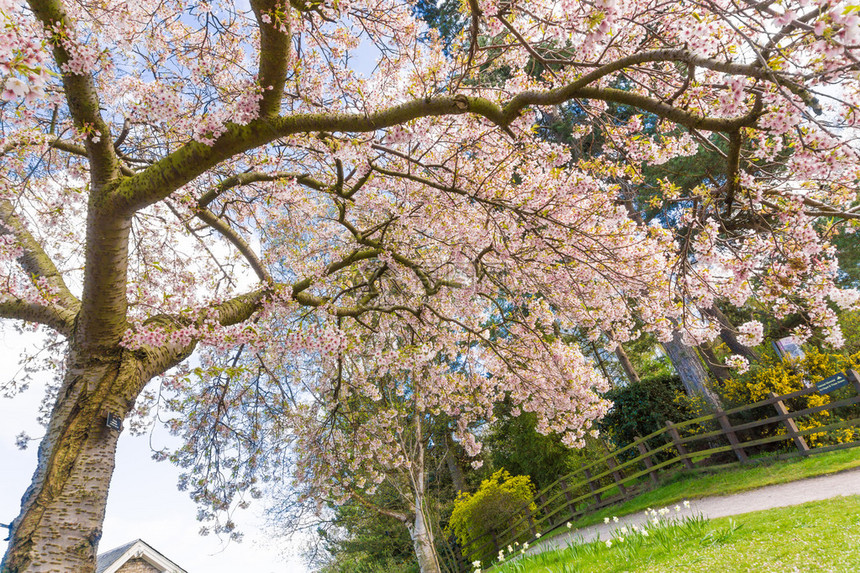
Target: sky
<point>143,502</point>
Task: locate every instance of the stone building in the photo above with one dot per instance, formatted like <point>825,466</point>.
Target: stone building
<point>135,557</point>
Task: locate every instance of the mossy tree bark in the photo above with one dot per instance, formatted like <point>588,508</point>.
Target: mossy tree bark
<point>728,334</point>
<point>690,369</point>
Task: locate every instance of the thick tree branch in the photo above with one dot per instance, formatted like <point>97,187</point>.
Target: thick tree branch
<point>233,311</point>
<point>255,177</point>
<point>355,256</point>
<point>274,23</point>
<point>60,319</point>
<point>733,170</point>
<point>180,167</point>
<point>104,304</point>
<point>35,261</point>
<point>399,516</point>
<point>80,94</point>
<point>80,150</point>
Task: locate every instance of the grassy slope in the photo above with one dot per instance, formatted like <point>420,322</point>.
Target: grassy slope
<point>725,482</point>
<point>815,537</point>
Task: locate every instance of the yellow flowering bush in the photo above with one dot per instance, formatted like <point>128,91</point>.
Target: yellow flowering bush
<point>785,377</point>
<point>499,502</point>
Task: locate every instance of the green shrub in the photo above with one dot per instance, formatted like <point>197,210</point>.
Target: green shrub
<point>514,444</point>
<point>499,501</point>
<point>642,408</point>
<point>364,563</point>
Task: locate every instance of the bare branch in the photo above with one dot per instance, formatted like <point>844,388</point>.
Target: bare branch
<point>241,245</point>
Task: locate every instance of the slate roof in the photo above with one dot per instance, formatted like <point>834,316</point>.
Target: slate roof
<point>108,558</point>
<point>113,557</point>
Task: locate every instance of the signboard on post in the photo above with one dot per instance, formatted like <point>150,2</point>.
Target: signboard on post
<point>832,383</point>
<point>788,348</point>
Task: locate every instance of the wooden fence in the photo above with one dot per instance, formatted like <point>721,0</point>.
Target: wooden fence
<point>703,442</point>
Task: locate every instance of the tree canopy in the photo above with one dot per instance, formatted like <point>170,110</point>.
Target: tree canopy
<point>211,177</point>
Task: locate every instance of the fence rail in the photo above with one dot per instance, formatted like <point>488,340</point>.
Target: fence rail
<point>700,443</point>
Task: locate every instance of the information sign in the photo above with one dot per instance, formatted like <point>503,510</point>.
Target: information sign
<point>114,422</point>
<point>788,348</point>
<point>832,383</point>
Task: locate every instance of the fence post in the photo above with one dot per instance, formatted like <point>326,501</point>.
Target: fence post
<point>643,450</point>
<point>542,498</point>
<point>459,559</point>
<point>730,434</point>
<point>676,441</point>
<point>790,426</point>
<point>568,497</point>
<point>855,378</point>
<point>532,527</point>
<point>613,463</point>
<point>591,487</point>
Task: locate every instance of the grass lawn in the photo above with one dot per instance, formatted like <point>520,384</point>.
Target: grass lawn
<point>692,485</point>
<point>822,536</point>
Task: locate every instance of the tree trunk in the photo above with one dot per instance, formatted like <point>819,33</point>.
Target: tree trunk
<point>62,511</point>
<point>601,364</point>
<point>629,370</point>
<point>727,334</point>
<point>421,529</point>
<point>454,465</point>
<point>717,368</point>
<point>690,369</point>
<point>422,538</point>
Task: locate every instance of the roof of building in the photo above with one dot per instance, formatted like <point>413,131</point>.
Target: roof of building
<point>111,561</point>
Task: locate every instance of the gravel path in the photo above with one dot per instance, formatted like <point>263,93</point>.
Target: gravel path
<point>768,497</point>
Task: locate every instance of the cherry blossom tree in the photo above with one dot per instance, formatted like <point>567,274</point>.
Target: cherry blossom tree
<point>344,422</point>
<point>216,177</point>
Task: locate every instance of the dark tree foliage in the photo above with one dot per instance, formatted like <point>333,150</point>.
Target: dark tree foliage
<point>515,445</point>
<point>445,17</point>
<point>368,541</point>
<point>643,408</point>
<point>848,247</point>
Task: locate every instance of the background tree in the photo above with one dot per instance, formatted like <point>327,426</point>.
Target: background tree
<point>363,540</point>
